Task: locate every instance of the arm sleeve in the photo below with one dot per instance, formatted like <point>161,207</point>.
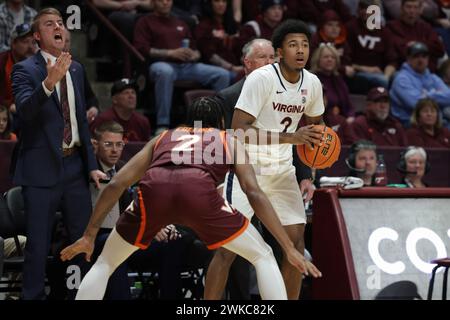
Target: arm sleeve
<point>29,97</point>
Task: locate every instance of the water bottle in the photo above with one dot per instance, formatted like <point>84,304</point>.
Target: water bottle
<point>185,43</point>
<point>136,290</point>
<point>381,173</point>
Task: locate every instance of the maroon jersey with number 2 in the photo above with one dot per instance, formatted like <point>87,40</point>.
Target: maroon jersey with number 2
<point>180,188</point>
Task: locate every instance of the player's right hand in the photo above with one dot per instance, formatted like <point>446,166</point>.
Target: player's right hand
<point>57,71</point>
<point>82,245</point>
<point>309,135</point>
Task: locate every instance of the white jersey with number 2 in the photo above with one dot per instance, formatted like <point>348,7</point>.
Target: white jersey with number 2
<point>278,106</point>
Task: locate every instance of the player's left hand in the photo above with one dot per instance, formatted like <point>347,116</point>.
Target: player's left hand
<point>82,245</point>
<point>306,186</point>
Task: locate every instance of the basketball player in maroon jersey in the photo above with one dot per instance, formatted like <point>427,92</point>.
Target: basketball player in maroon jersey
<point>186,194</point>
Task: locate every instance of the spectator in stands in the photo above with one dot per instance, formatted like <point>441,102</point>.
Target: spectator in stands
<point>411,28</point>
<point>264,25</point>
<point>123,111</point>
<point>444,72</point>
<point>362,161</point>
<point>311,11</point>
<point>332,31</point>
<point>216,35</point>
<point>415,81</point>
<point>376,124</point>
<point>108,146</point>
<point>426,126</point>
<point>5,125</point>
<point>12,14</point>
<point>373,56</point>
<point>167,41</point>
<point>91,99</point>
<point>413,165</point>
<point>325,63</point>
<point>22,47</point>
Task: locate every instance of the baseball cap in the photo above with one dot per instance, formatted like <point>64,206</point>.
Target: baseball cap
<point>266,4</point>
<point>123,84</point>
<point>416,48</point>
<point>21,30</point>
<point>377,93</point>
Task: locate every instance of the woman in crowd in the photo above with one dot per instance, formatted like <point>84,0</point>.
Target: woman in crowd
<point>426,126</point>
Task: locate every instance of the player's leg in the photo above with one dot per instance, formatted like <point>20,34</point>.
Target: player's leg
<point>94,284</point>
<point>251,246</point>
<point>217,274</point>
<point>292,277</point>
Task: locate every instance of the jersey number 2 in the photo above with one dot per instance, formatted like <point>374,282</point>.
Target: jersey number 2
<point>286,122</point>
<point>187,141</point>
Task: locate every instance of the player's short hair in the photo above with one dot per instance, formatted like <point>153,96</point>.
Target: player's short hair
<point>286,27</point>
<point>208,110</point>
<point>108,126</point>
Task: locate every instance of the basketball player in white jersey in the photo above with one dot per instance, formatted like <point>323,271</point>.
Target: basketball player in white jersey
<point>273,100</point>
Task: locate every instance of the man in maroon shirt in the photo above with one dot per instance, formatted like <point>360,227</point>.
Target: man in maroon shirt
<point>376,124</point>
<point>373,56</point>
<point>409,28</point>
<point>123,111</point>
<point>168,43</point>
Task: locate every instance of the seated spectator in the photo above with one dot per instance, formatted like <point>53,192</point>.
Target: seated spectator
<point>413,165</point>
<point>216,35</point>
<point>161,37</point>
<point>123,111</point>
<point>5,125</point>
<point>414,81</point>
<point>373,56</point>
<point>376,124</point>
<point>325,64</point>
<point>264,25</point>
<point>332,31</point>
<point>12,14</point>
<point>426,126</point>
<point>362,161</point>
<point>444,72</point>
<point>22,46</point>
<point>311,11</point>
<point>92,105</point>
<point>411,28</point>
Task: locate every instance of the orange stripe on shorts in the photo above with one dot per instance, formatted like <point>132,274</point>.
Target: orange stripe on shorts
<point>142,224</point>
<point>232,237</point>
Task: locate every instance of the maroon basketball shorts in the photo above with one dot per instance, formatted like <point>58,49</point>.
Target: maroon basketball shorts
<point>180,195</point>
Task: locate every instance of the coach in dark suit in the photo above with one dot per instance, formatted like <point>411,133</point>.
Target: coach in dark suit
<point>55,157</point>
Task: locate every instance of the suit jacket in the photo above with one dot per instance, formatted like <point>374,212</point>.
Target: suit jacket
<point>40,154</point>
<point>229,96</point>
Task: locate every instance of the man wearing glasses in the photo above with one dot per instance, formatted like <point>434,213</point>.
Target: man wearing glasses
<point>123,111</point>
<point>108,146</point>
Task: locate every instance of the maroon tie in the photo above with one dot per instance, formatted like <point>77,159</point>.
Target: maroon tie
<point>66,111</point>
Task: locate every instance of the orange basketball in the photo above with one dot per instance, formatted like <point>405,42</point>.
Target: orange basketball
<point>323,156</point>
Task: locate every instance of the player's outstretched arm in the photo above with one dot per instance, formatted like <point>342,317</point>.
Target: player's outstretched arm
<point>265,212</point>
<point>127,176</point>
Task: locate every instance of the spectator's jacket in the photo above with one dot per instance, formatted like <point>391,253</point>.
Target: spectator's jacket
<point>409,86</point>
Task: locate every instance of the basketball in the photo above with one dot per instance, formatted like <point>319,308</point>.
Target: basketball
<point>323,156</point>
